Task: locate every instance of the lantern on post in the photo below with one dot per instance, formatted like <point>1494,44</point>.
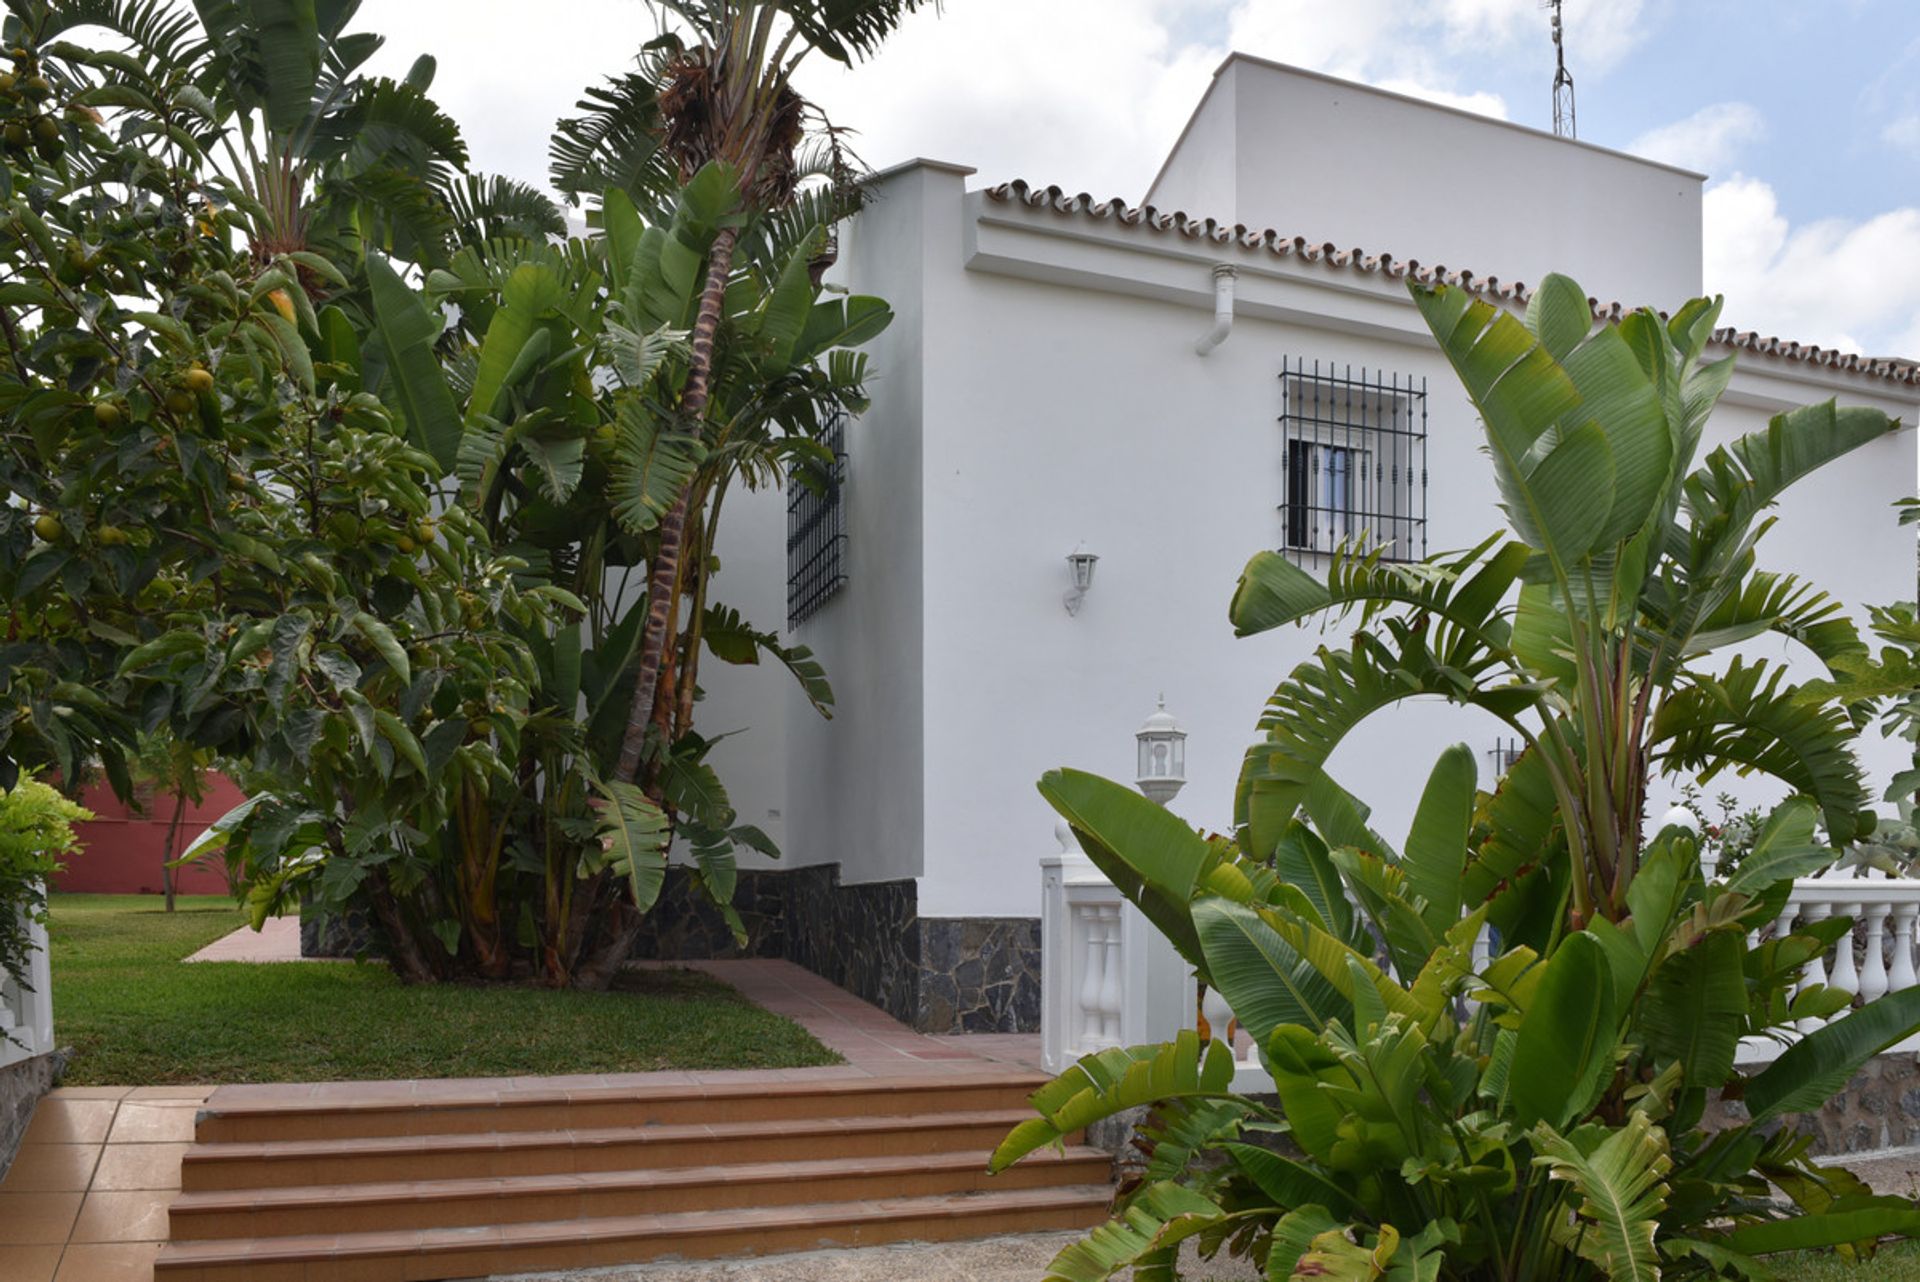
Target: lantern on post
<point>1163,755</point>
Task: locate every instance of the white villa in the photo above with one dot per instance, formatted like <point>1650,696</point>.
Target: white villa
<point>1042,392</point>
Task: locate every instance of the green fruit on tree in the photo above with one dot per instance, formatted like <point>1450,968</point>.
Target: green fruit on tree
<point>198,381</point>
<point>111,536</point>
<point>180,402</point>
<point>106,414</point>
<point>16,135</point>
<point>46,129</point>
<point>37,88</point>
<point>425,529</point>
<point>405,544</point>
<point>8,81</point>
<point>48,527</point>
<point>51,148</point>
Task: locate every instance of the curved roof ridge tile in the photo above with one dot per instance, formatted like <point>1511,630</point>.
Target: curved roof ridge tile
<point>1117,209</point>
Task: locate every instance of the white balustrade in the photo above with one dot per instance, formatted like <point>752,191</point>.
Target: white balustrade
<point>26,1009</point>
<point>1107,977</point>
<point>1110,979</point>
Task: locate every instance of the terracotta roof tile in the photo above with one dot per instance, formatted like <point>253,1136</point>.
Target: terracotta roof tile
<point>1056,200</point>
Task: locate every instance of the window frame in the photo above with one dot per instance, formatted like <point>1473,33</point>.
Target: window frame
<point>1379,421</point>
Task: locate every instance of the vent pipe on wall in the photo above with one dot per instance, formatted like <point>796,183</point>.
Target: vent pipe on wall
<point>1222,310</point>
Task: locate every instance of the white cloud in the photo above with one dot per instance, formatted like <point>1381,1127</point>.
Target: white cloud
<point>1086,93</point>
<point>1903,132</point>
<point>507,80</point>
<point>1091,93</point>
<point>1851,284</point>
<point>1710,140</point>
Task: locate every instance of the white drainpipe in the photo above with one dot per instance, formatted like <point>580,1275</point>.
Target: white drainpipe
<point>1222,310</point>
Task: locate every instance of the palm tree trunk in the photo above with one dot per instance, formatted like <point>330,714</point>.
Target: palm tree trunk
<point>664,574</point>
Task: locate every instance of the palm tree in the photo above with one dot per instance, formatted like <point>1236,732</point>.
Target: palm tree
<point>722,94</point>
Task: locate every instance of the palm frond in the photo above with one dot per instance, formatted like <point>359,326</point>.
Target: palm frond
<point>488,207</point>
<point>614,142</point>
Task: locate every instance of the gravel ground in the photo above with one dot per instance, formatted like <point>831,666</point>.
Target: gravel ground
<point>1003,1259</point>
<point>1024,1258</point>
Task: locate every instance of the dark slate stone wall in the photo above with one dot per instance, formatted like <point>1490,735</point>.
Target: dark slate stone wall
<point>979,975</point>
<point>938,974</point>
<point>352,933</point>
<point>1878,1109</point>
<point>21,1086</point>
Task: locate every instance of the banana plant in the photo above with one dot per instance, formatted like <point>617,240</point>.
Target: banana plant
<point>552,400</point>
<point>1584,631</point>
<point>1538,1114</point>
<point>1542,1112</point>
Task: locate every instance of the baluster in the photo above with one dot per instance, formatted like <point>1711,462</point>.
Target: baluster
<point>1901,976</point>
<point>1781,929</point>
<point>1814,973</point>
<point>1092,979</point>
<point>1110,990</point>
<point>1845,975</point>
<point>1220,1020</point>
<point>1873,976</point>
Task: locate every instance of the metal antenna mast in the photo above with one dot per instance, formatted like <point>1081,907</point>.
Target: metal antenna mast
<point>1563,125</point>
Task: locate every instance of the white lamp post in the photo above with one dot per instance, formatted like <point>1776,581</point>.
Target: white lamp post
<point>1681,817</point>
<point>1163,755</point>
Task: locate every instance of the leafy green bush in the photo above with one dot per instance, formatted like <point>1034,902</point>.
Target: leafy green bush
<point>1541,1114</point>
<point>36,832</point>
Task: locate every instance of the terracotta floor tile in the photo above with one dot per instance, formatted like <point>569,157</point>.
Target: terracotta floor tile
<point>90,1092</point>
<point>108,1262</point>
<point>71,1121</point>
<point>36,1219</point>
<point>153,1122</point>
<point>136,1216</point>
<point>28,1263</point>
<point>51,1168</point>
<point>139,1166</point>
<point>197,1094</point>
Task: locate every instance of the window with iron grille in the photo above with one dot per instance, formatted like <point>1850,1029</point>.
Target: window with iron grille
<point>817,528</point>
<point>1354,460</point>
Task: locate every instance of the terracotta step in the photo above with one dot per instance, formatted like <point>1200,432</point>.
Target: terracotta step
<point>433,1254</point>
<point>501,1107</point>
<point>385,1159</point>
<point>424,1204</point>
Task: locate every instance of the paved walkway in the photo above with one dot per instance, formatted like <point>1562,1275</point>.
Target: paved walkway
<point>86,1198</point>
<point>276,941</point>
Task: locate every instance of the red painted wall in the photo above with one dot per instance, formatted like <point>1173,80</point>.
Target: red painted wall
<point>122,847</point>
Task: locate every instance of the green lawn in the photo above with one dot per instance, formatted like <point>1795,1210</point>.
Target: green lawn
<point>135,1013</point>
<point>1892,1264</point>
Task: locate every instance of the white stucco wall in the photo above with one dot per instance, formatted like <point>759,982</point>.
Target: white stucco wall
<point>855,785</point>
<point>1064,403</point>
<point>1039,389</point>
<point>1335,161</point>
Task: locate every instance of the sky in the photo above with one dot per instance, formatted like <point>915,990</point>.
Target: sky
<point>1805,114</point>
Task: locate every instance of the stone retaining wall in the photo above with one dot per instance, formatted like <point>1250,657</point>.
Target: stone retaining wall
<point>21,1086</point>
<point>1879,1109</point>
<point>935,974</point>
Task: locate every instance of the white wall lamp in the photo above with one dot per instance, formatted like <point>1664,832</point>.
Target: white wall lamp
<point>1163,755</point>
<point>1080,563</point>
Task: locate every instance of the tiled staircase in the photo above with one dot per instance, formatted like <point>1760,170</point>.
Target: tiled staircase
<point>461,1182</point>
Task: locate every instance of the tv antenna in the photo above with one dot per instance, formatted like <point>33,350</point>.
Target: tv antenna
<point>1563,125</point>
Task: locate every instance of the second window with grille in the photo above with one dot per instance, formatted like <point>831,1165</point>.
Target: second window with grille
<point>1354,459</point>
